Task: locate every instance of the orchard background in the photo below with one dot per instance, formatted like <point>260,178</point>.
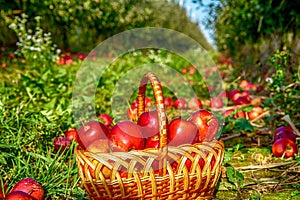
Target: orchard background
<point>43,44</point>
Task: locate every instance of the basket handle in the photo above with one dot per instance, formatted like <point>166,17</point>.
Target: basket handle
<point>162,117</point>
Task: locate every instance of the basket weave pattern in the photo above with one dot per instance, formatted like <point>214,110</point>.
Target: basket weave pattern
<point>189,171</point>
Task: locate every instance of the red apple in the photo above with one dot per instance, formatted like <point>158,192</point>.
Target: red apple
<point>233,93</point>
<point>284,128</point>
<point>106,118</point>
<point>182,132</point>
<point>149,123</point>
<point>241,100</point>
<point>99,146</point>
<point>30,187</point>
<point>90,132</point>
<point>180,103</point>
<point>125,136</point>
<point>227,112</point>
<point>168,102</point>
<point>2,191</point>
<point>195,104</point>
<point>284,134</point>
<point>71,134</point>
<point>244,84</point>
<point>255,112</point>
<point>284,146</point>
<point>61,143</point>
<point>240,114</point>
<point>18,195</point>
<point>251,86</point>
<point>152,142</point>
<point>206,123</point>
<point>216,102</point>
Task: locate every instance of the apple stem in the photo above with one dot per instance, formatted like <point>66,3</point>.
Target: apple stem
<point>288,120</point>
<point>81,121</point>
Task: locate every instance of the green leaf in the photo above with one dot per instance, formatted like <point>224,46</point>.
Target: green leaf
<point>242,124</point>
<point>235,177</point>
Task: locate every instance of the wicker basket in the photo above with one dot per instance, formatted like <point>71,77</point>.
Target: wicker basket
<point>188,171</point>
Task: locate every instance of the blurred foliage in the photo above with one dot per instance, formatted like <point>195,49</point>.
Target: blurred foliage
<point>80,25</point>
<point>250,31</point>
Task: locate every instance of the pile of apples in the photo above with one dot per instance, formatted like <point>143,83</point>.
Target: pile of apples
<point>25,189</point>
<point>138,133</point>
<point>284,142</point>
<point>243,97</point>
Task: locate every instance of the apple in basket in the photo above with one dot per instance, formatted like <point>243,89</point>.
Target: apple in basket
<point>181,131</point>
<point>126,136</point>
<point>90,132</point>
<point>106,118</point>
<point>29,186</point>
<point>149,123</point>
<point>206,123</point>
<point>99,146</point>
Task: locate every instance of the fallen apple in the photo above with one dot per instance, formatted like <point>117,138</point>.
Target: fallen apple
<point>71,134</point>
<point>284,134</point>
<point>31,187</point>
<point>61,143</point>
<point>18,195</point>
<point>180,103</point>
<point>284,147</point>
<point>255,112</point>
<point>216,102</point>
<point>168,102</point>
<point>195,104</point>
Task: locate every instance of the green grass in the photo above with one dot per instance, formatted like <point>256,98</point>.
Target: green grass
<point>36,106</point>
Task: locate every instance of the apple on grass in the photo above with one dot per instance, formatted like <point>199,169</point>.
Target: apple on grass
<point>168,102</point>
<point>71,134</point>
<point>255,112</point>
<point>284,147</point>
<point>195,104</point>
<point>90,132</point>
<point>181,131</point>
<point>18,195</point>
<point>31,187</point>
<point>126,136</point>
<point>228,112</point>
<point>180,103</point>
<point>284,128</point>
<point>61,143</point>
<point>206,123</point>
<point>216,102</point>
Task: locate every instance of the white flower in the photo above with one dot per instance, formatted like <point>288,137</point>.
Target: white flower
<point>269,80</point>
<point>12,26</point>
